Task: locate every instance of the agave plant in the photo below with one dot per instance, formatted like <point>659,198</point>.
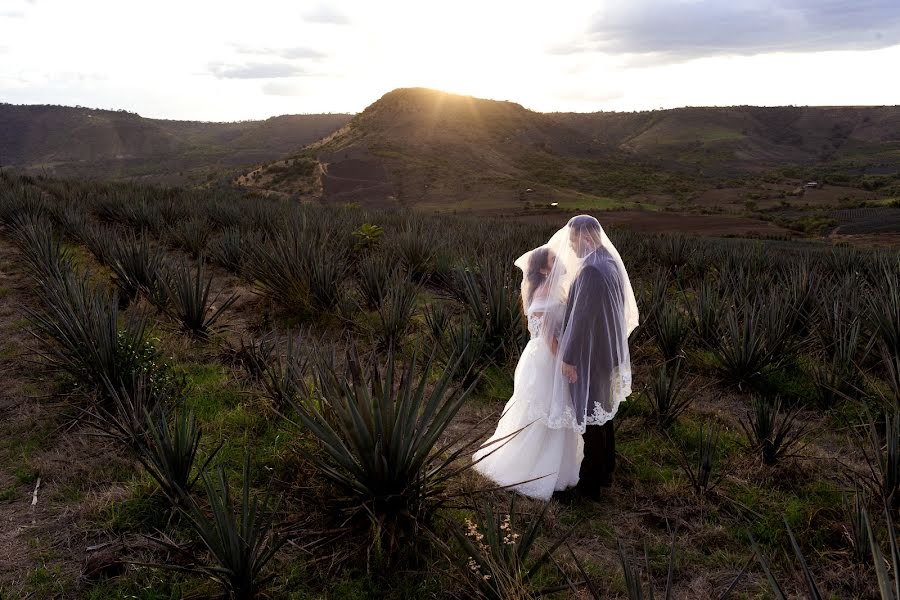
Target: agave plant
<point>884,311</point>
<point>838,374</point>
<point>374,278</point>
<point>279,267</point>
<point>225,212</point>
<point>703,471</point>
<point>239,536</point>
<point>227,249</point>
<point>130,411</point>
<point>888,578</point>
<point>416,251</point>
<point>633,582</point>
<point>45,256</point>
<point>395,312</point>
<point>170,450</point>
<point>190,302</point>
<point>674,253</point>
<point>379,439</point>
<point>812,587</point>
<point>772,430</point>
<point>706,311</point>
<point>99,238</point>
<point>468,346</point>
<point>282,375</point>
<point>493,303</point>
<point>882,453</point>
<point>191,235</point>
<point>327,270</point>
<point>884,314</point>
<point>137,267</point>
<point>665,396</point>
<point>81,321</point>
<point>858,533</point>
<point>653,297</point>
<point>146,216</point>
<point>745,351</point>
<point>497,562</point>
<point>670,328</point>
<point>801,288</point>
<point>437,318</point>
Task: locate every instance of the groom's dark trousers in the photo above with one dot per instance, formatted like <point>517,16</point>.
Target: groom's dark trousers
<point>599,458</point>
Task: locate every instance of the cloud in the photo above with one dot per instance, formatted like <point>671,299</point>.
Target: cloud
<point>668,30</point>
<point>292,53</point>
<point>255,70</point>
<point>326,14</point>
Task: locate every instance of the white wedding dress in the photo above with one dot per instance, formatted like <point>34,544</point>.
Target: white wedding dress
<point>539,459</point>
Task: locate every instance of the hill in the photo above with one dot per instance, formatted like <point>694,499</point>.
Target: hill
<point>435,150</point>
<point>85,142</point>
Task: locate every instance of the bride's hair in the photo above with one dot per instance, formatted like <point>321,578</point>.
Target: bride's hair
<point>538,260</point>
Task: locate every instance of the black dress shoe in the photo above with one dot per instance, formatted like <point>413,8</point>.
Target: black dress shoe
<point>566,496</point>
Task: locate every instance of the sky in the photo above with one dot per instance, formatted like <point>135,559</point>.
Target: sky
<point>228,61</point>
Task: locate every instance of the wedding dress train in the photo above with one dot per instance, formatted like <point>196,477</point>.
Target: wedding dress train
<point>539,459</point>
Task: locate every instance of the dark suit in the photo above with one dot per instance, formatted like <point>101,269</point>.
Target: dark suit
<point>592,344</point>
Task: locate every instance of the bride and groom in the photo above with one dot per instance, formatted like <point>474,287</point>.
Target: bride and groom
<point>556,431</point>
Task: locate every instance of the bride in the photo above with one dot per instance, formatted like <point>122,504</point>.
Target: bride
<point>525,452</point>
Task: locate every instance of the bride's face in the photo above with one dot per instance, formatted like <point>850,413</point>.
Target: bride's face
<point>548,268</point>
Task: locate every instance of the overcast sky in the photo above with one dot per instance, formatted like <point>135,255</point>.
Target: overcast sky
<point>198,59</point>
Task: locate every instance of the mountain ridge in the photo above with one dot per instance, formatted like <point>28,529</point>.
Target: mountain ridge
<point>87,142</point>
<point>440,150</point>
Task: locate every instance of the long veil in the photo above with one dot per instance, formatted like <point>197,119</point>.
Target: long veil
<point>592,365</point>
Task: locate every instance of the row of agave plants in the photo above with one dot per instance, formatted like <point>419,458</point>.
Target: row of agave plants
<point>751,307</point>
<point>301,258</point>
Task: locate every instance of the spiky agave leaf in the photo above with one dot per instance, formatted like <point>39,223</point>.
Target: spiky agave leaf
<point>375,275</point>
<point>171,450</point>
<point>81,320</point>
<point>190,302</point>
<point>704,472</point>
<point>772,430</point>
<point>240,535</point>
<point>136,266</point>
<point>497,561</point>
<point>882,454</point>
<point>44,253</point>
<point>671,329</point>
<point>379,432</point>
<point>858,533</point>
<point>130,411</point>
<point>665,395</point>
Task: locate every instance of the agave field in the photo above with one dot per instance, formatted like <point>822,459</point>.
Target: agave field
<point>213,394</point>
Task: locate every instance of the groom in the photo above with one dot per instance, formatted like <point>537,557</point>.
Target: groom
<point>594,319</point>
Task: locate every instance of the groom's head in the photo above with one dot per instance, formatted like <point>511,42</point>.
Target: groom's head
<point>584,234</point>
